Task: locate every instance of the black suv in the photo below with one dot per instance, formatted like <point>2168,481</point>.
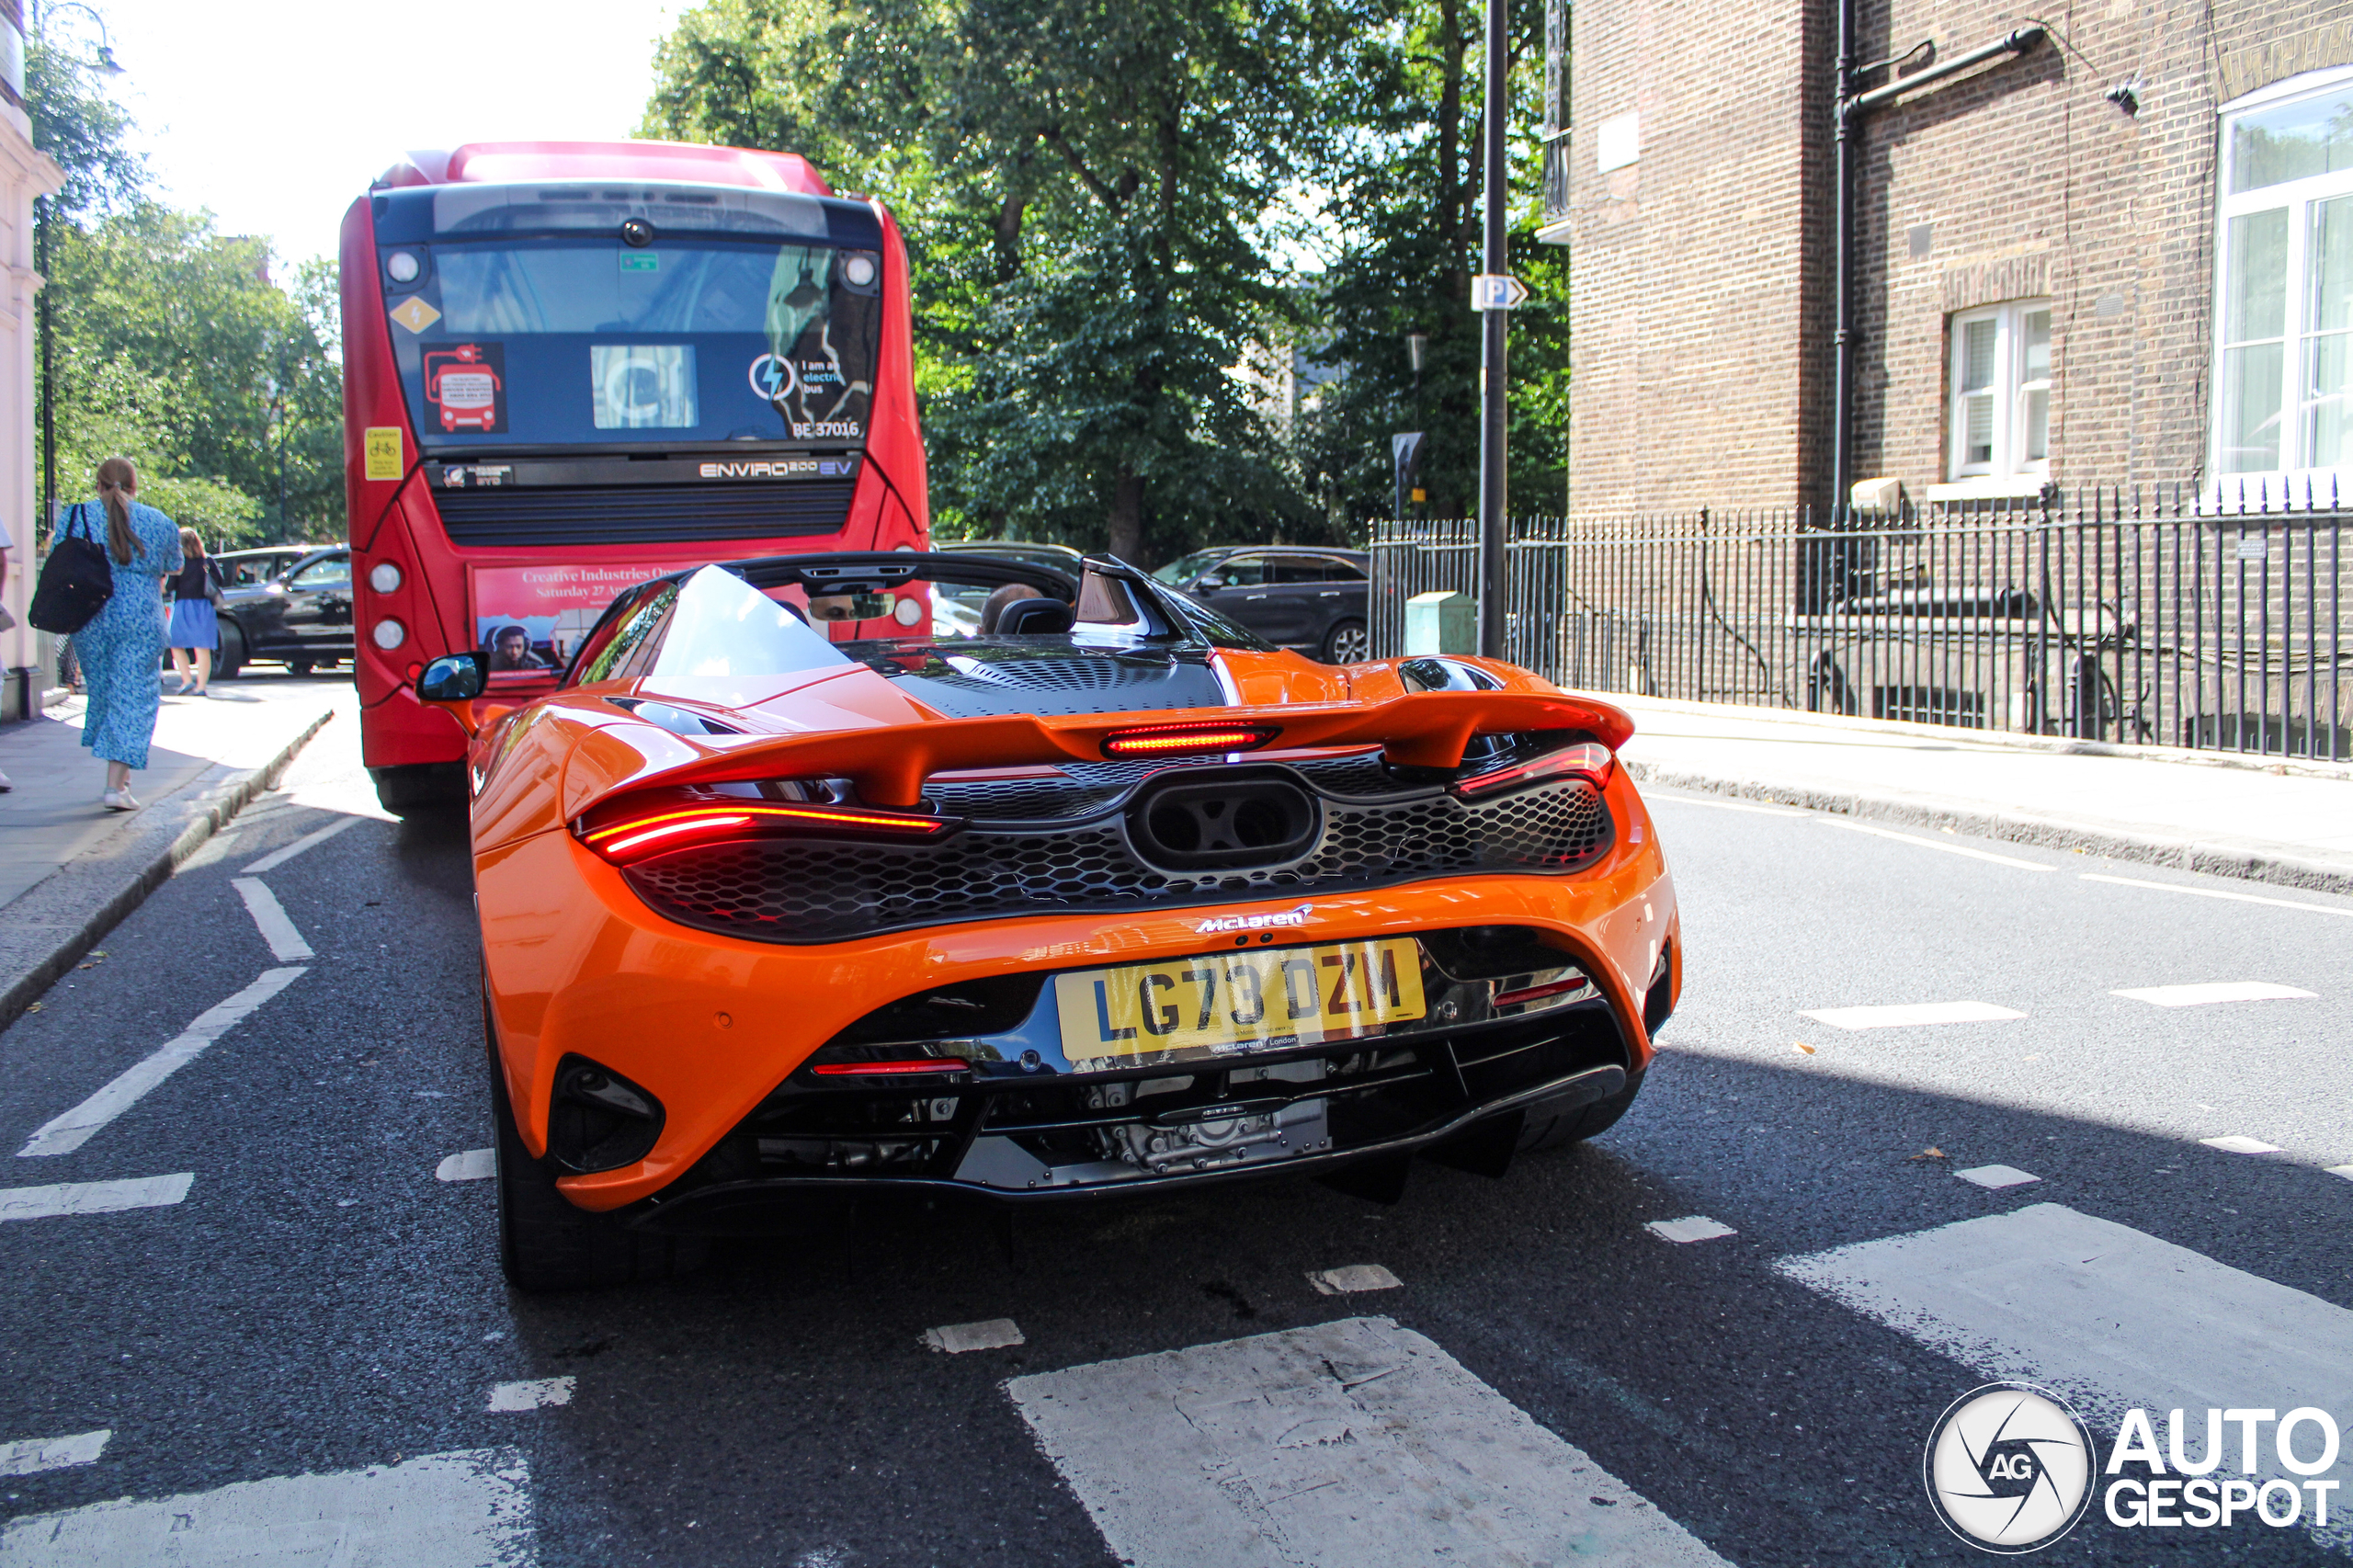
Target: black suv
<point>1316,601</point>
<point>302,616</point>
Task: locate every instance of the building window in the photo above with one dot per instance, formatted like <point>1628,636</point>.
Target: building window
<point>2283,310</point>
<point>2001,392</point>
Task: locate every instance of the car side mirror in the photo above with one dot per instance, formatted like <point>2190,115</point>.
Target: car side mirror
<point>1204,585</point>
<point>455,678</point>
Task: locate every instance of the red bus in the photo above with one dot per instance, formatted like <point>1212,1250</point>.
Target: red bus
<point>571,366</point>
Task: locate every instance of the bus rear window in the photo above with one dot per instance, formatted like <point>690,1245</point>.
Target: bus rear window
<point>576,342</point>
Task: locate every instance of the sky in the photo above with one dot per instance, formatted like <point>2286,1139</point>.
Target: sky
<point>276,113</point>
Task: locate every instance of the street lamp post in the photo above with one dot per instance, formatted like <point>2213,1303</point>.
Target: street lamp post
<point>1494,346</point>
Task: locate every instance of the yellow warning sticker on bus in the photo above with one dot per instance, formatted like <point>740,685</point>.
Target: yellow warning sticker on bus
<point>384,455</point>
<point>414,314</point>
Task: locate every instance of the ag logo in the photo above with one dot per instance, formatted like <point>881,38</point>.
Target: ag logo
<point>2010,1468</point>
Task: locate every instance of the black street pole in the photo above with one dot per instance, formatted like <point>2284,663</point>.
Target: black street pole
<point>1493,346</point>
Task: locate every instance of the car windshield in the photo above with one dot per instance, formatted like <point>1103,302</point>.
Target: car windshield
<point>1185,568</point>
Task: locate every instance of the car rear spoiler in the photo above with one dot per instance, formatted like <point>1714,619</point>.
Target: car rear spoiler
<point>890,763</point>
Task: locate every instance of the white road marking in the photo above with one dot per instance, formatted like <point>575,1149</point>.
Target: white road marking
<point>2111,1316</point>
<point>2214,991</point>
<point>1997,1176</point>
<point>1354,1277</point>
<point>2345,1171</point>
<point>286,944</point>
<point>1723,805</point>
<point>1355,1444</point>
<point>532,1394</point>
<point>93,1197</point>
<point>473,1165</point>
<point>2009,860</point>
<point>70,1131</point>
<point>993,1334</point>
<point>2240,1143</point>
<point>1696,1228</point>
<point>2217,893</point>
<point>33,1455</point>
<point>1910,1014</point>
<point>467,1509</point>
<point>276,858</point>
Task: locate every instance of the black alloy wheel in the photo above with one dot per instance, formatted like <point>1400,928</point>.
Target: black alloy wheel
<point>1348,644</point>
<point>229,660</point>
<point>544,1243</point>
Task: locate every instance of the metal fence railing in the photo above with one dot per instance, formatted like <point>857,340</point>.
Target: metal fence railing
<point>2167,619</point>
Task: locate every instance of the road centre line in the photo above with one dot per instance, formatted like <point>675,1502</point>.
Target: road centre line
<point>989,1333</point>
<point>93,1197</point>
<point>1353,1276</point>
<point>1355,1444</point>
<point>2199,995</point>
<point>1907,1015</point>
<point>2102,1312</point>
<point>532,1394</point>
<point>449,1510</point>
<point>286,944</point>
<point>1932,843</point>
<point>1693,1228</point>
<point>271,861</point>
<point>1723,805</point>
<point>2216,893</point>
<point>71,1130</point>
<point>30,1456</point>
<point>468,1164</point>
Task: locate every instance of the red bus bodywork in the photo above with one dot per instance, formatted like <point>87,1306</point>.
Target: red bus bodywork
<point>399,520</point>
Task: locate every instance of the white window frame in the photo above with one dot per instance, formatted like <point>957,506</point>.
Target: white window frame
<point>2295,468</point>
<point>2009,469</point>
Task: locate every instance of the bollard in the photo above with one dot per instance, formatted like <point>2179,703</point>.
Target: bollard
<point>1441,622</point>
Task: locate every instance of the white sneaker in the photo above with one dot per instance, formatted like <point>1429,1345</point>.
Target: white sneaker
<point>118,801</point>
<point>4,785</point>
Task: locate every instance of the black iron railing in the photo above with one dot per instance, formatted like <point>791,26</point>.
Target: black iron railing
<point>2175,620</point>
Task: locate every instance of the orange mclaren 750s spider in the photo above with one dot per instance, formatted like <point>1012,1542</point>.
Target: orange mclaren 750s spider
<point>1107,897</point>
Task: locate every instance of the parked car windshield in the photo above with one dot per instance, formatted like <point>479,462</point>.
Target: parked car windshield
<point>1185,568</point>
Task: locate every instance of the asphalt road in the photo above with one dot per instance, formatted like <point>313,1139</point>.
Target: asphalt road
<point>320,1303</point>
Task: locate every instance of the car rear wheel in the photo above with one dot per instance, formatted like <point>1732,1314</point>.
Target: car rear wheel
<point>1577,1125</point>
<point>1348,644</point>
<point>544,1243</point>
<point>231,657</point>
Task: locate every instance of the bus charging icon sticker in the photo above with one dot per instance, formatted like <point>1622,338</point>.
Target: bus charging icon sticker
<point>772,378</point>
<point>467,382</point>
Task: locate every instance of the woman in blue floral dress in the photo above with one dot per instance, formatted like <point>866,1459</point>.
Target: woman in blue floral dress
<point>122,647</point>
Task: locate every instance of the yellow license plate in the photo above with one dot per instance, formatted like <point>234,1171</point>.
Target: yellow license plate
<point>1240,1001</point>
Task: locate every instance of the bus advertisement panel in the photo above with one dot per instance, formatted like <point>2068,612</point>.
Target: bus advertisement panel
<point>571,366</point>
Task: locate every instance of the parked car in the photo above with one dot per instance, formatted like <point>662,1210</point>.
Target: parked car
<point>772,925</point>
<point>300,616</point>
<point>1317,602</point>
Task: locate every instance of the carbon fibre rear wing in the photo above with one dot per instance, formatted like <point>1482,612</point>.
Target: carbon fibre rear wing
<point>889,763</point>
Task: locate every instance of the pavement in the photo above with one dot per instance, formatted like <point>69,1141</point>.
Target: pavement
<point>70,870</point>
<point>1936,1110</point>
<point>2263,819</point>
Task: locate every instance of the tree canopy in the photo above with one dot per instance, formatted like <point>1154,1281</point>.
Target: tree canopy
<point>1113,210</point>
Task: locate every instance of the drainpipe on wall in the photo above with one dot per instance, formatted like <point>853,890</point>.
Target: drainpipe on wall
<point>1852,107</point>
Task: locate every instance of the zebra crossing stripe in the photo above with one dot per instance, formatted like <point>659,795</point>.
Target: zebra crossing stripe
<point>1356,1443</point>
<point>2111,1316</point>
<point>465,1509</point>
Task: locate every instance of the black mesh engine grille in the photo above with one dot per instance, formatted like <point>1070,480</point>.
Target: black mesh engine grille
<point>809,890</point>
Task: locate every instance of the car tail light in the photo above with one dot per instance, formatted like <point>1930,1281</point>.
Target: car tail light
<point>892,1068</point>
<point>1538,993</point>
<point>1587,759</point>
<point>633,832</point>
<point>1175,740</point>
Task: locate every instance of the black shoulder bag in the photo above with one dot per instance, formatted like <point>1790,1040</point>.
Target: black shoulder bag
<point>75,582</point>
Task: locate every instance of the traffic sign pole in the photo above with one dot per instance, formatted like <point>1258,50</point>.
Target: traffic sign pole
<point>1494,346</point>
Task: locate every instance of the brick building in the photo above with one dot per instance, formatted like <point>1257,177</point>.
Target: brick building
<point>2117,251</point>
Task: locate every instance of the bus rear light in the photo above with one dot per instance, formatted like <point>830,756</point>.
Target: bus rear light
<point>389,634</point>
<point>1587,759</point>
<point>1178,739</point>
<point>632,836</point>
<point>384,577</point>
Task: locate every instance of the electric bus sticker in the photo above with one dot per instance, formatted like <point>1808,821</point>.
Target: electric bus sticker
<point>640,261</point>
<point>414,314</point>
<point>382,444</point>
<point>771,378</point>
<point>467,382</point>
